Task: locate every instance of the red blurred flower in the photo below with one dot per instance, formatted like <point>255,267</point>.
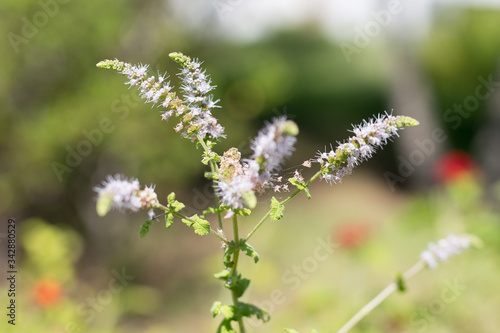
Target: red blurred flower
<point>47,292</point>
<point>350,235</point>
<point>453,166</point>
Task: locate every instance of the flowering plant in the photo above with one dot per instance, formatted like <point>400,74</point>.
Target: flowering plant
<point>237,182</point>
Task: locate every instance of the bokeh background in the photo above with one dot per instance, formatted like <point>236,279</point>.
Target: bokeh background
<point>65,125</point>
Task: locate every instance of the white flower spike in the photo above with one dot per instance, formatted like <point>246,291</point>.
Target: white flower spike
<point>445,248</point>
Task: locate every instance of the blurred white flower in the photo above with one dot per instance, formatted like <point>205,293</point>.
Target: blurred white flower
<point>118,192</point>
<point>445,248</point>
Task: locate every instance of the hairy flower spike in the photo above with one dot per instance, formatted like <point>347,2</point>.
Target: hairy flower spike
<point>196,86</point>
<point>272,145</point>
<point>120,193</point>
<point>338,163</point>
<point>445,248</point>
<point>194,109</point>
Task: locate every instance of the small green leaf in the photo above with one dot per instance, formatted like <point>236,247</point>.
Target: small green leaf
<point>300,186</point>
<point>222,275</point>
<point>250,199</point>
<point>248,310</point>
<point>177,206</point>
<point>225,327</point>
<point>104,204</point>
<point>276,210</point>
<point>171,198</point>
<point>227,311</point>
<point>210,210</point>
<point>169,219</point>
<point>289,330</point>
<point>250,251</point>
<point>228,253</point>
<point>145,228</point>
<point>404,121</point>
<point>200,226</point>
<point>242,212</point>
<point>238,285</point>
<point>215,309</point>
<point>290,128</point>
<point>400,282</point>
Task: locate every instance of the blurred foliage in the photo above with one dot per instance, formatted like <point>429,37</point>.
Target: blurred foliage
<point>461,48</point>
<point>301,286</point>
<point>54,98</point>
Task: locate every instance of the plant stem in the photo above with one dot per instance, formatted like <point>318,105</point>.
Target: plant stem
<point>214,169</point>
<point>379,298</point>
<point>234,270</point>
<point>264,218</point>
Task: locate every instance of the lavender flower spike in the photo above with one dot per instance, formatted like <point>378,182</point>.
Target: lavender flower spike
<point>338,163</point>
<point>445,248</point>
<point>153,90</point>
<point>237,183</point>
<point>198,119</point>
<point>121,194</point>
<point>194,110</point>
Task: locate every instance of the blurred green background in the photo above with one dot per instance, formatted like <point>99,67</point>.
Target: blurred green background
<point>326,65</point>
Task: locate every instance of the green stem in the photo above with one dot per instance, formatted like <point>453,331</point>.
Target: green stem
<point>264,218</point>
<point>234,270</point>
<point>213,169</point>
<point>379,298</point>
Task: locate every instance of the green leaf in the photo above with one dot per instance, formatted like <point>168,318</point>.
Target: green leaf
<point>200,226</point>
<point>223,275</point>
<point>242,212</point>
<point>238,285</point>
<point>289,330</point>
<point>145,228</point>
<point>169,219</point>
<point>210,210</point>
<point>400,282</point>
<point>225,327</point>
<point>404,121</point>
<point>228,253</point>
<point>250,199</point>
<point>171,198</point>
<point>290,128</point>
<point>177,206</point>
<point>215,309</point>
<point>250,251</point>
<point>248,310</point>
<point>276,210</point>
<point>300,186</point>
<point>227,311</point>
<point>104,204</point>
